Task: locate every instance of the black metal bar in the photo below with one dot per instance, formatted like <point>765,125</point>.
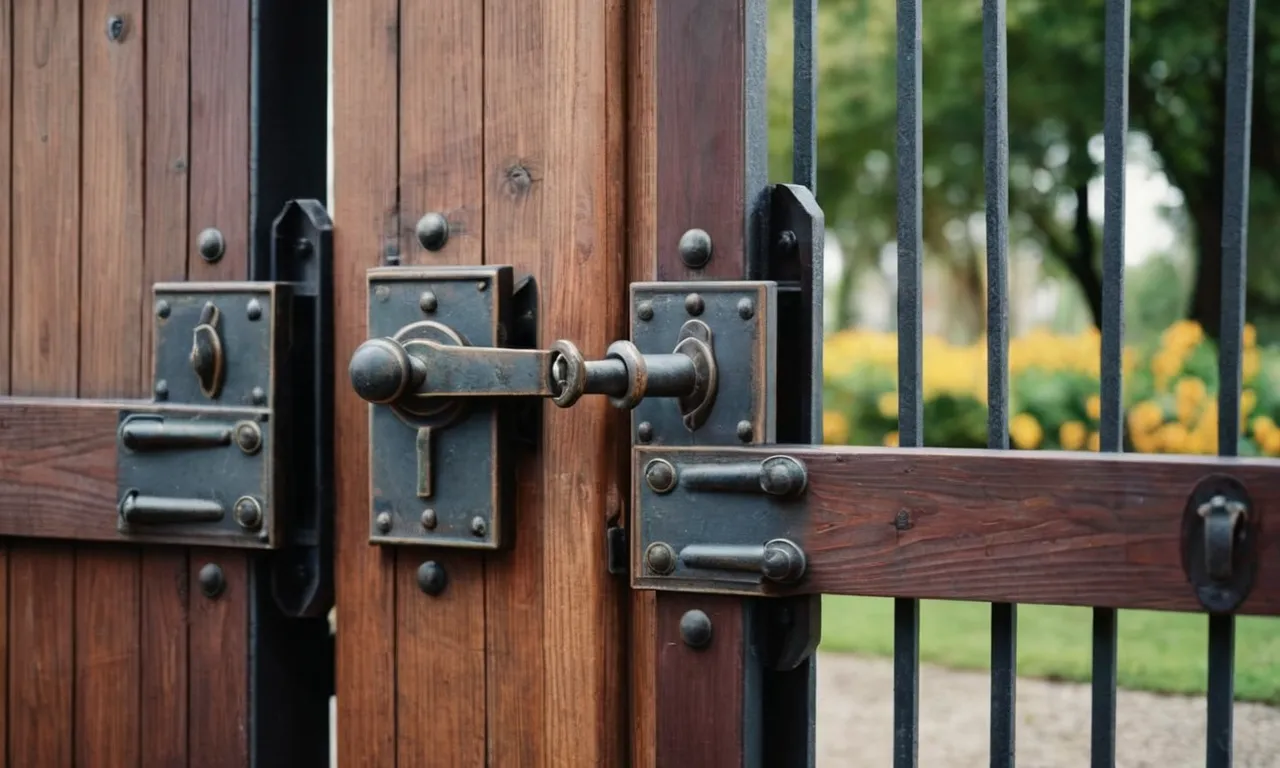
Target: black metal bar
<point>1111,435</point>
<point>1235,225</point>
<point>804,97</point>
<point>906,613</point>
<point>1004,616</point>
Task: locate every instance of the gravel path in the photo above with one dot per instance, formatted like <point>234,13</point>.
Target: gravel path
<point>855,722</point>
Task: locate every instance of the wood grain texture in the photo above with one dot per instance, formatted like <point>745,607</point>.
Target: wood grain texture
<point>365,138</point>
<point>107,657</point>
<point>218,734</point>
<point>41,663</point>
<point>4,655</point>
<point>164,679</point>
<point>220,135</point>
<point>6,189</point>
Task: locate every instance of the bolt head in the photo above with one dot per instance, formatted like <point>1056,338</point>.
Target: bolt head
<point>248,513</point>
<point>433,231</point>
<point>783,476</point>
<point>115,28</point>
<point>162,389</point>
<point>660,475</point>
<point>695,629</point>
<point>695,248</point>
<point>644,311</point>
<point>212,581</point>
<point>428,302</point>
<point>746,308</point>
<point>660,558</point>
<point>302,248</point>
<point>482,286</point>
<point>211,245</point>
<point>162,309</point>
<point>258,396</point>
<point>253,309</point>
<point>248,437</point>
<point>694,305</point>
<point>383,522</point>
<point>745,431</point>
<point>429,519</point>
<point>431,578</point>
<point>479,527</point>
<point>644,432</point>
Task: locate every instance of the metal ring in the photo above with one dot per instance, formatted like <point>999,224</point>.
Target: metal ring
<point>637,374</point>
<point>573,385</point>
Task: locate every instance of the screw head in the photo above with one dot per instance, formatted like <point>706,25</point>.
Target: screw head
<point>428,302</point>
<point>383,522</point>
<point>695,248</point>
<point>258,395</point>
<point>382,293</point>
<point>479,527</point>
<point>211,245</point>
<point>162,389</point>
<point>644,311</point>
<point>694,305</point>
<point>162,309</point>
<point>482,286</point>
<point>253,309</point>
<point>660,558</point>
<point>644,432</point>
<point>429,519</point>
<point>695,629</point>
<point>431,578</point>
<point>433,231</point>
<point>212,581</point>
<point>248,437</point>
<point>115,28</point>
<point>746,309</point>
<point>302,248</point>
<point>248,513</point>
<point>745,431</point>
<point>660,475</point>
<point>787,242</point>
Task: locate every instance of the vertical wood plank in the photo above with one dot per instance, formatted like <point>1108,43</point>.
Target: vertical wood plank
<point>107,657</point>
<point>4,655</point>
<point>441,170</point>
<point>365,140</point>
<point>164,677</point>
<point>6,188</point>
<point>220,134</point>
<point>218,734</point>
<point>41,596</point>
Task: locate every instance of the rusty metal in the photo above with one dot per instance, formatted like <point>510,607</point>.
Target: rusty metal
<point>206,351</point>
<point>1219,543</point>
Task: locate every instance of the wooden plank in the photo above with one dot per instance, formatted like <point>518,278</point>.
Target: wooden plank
<point>107,657</point>
<point>441,170</point>
<point>220,135</point>
<point>164,676</point>
<point>41,666</point>
<point>218,732</point>
<point>365,138</point>
<point>6,189</point>
<point>4,655</point>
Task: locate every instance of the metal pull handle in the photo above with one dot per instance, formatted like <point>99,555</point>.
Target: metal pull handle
<point>1221,519</point>
<point>780,560</point>
<point>136,509</point>
<point>154,433</point>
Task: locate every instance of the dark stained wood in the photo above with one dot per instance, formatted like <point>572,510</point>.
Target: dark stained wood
<point>4,655</point>
<point>365,136</point>
<point>6,166</point>
<point>41,664</point>
<point>164,678</point>
<point>107,657</point>
<point>218,732</point>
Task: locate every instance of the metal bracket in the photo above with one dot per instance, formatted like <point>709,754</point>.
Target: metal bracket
<point>1219,543</point>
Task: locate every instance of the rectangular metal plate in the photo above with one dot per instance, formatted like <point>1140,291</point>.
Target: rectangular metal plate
<point>457,499</point>
<point>741,316</point>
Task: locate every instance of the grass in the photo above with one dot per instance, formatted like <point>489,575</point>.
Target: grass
<point>1161,652</point>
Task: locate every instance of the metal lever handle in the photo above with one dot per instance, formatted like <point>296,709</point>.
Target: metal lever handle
<point>779,560</point>
<point>1221,518</point>
<point>157,510</point>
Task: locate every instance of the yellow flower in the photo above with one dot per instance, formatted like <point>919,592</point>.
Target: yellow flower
<point>1073,435</point>
<point>1026,431</point>
<point>1250,336</point>
<point>887,404</point>
<point>1189,394</point>
<point>835,428</point>
<point>1248,401</point>
<point>1165,365</point>
<point>1264,427</point>
<point>1093,407</point>
<point>1250,364</point>
<point>1271,444</point>
<point>1145,417</point>
<point>1182,336</point>
<point>891,439</point>
<point>1095,441</point>
<point>1173,437</point>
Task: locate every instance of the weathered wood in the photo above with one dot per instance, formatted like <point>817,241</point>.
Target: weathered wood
<point>165,675</point>
<point>365,137</point>
<point>218,729</point>
<point>6,190</point>
<point>41,663</point>
<point>107,657</point>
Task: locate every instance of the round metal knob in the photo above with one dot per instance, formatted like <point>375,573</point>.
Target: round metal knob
<point>382,371</point>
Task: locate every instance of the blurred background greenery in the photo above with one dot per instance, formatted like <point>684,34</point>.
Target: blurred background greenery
<point>1173,256</point>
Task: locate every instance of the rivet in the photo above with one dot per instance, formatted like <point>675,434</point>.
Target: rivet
<point>302,248</point>
<point>383,522</point>
<point>433,231</point>
<point>212,581</point>
<point>429,519</point>
<point>746,309</point>
<point>162,390</point>
<point>382,293</point>
<point>162,309</point>
<point>695,629</point>
<point>694,305</point>
<point>258,396</point>
<point>249,437</point>
<point>248,513</point>
<point>254,309</point>
<point>482,285</point>
<point>644,432</point>
<point>745,431</point>
<point>211,245</point>
<point>695,248</point>
<point>115,28</point>
<point>660,558</point>
<point>660,475</point>
<point>644,311</point>
<point>787,242</point>
<point>427,302</point>
<point>431,578</point>
<point>478,526</point>
<point>902,520</point>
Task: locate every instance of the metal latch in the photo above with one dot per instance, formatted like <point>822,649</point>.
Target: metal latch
<point>234,448</point>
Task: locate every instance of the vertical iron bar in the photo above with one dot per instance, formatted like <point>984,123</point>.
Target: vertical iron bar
<point>1111,434</point>
<point>1235,224</point>
<point>804,97</point>
<point>1004,616</point>
<point>906,613</point>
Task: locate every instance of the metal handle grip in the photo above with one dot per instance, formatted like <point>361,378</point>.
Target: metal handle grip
<point>779,560</point>
<point>136,509</point>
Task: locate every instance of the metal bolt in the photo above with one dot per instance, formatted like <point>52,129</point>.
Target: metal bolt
<point>162,390</point>
<point>783,476</point>
<point>482,286</point>
<point>302,248</point>
<point>902,520</point>
<point>383,522</point>
<point>382,293</point>
<point>660,475</point>
<point>248,513</point>
<point>644,311</point>
<point>115,28</point>
<point>478,526</point>
<point>695,248</point>
<point>429,519</point>
<point>254,309</point>
<point>644,432</point>
<point>660,558</point>
<point>695,629</point>
<point>787,242</point>
<point>745,431</point>
<point>433,231</point>
<point>428,302</point>
<point>694,305</point>
<point>258,395</point>
<point>746,309</point>
<point>212,582</point>
<point>431,578</point>
<point>211,245</point>
<point>249,437</point>
<point>162,309</point>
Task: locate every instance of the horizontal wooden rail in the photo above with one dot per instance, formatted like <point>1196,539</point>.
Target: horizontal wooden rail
<point>1045,527</point>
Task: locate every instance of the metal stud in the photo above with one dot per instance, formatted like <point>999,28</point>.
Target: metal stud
<point>432,578</point>
<point>258,396</point>
<point>695,248</point>
<point>383,522</point>
<point>660,558</point>
<point>162,390</point>
<point>212,581</point>
<point>253,309</point>
<point>644,311</point>
<point>248,513</point>
<point>428,302</point>
<point>479,527</point>
<point>162,309</point>
<point>745,431</point>
<point>115,28</point>
<point>660,475</point>
<point>746,309</point>
<point>429,519</point>
<point>695,629</point>
<point>211,245</point>
<point>249,437</point>
<point>433,231</point>
<point>644,432</point>
<point>694,305</point>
